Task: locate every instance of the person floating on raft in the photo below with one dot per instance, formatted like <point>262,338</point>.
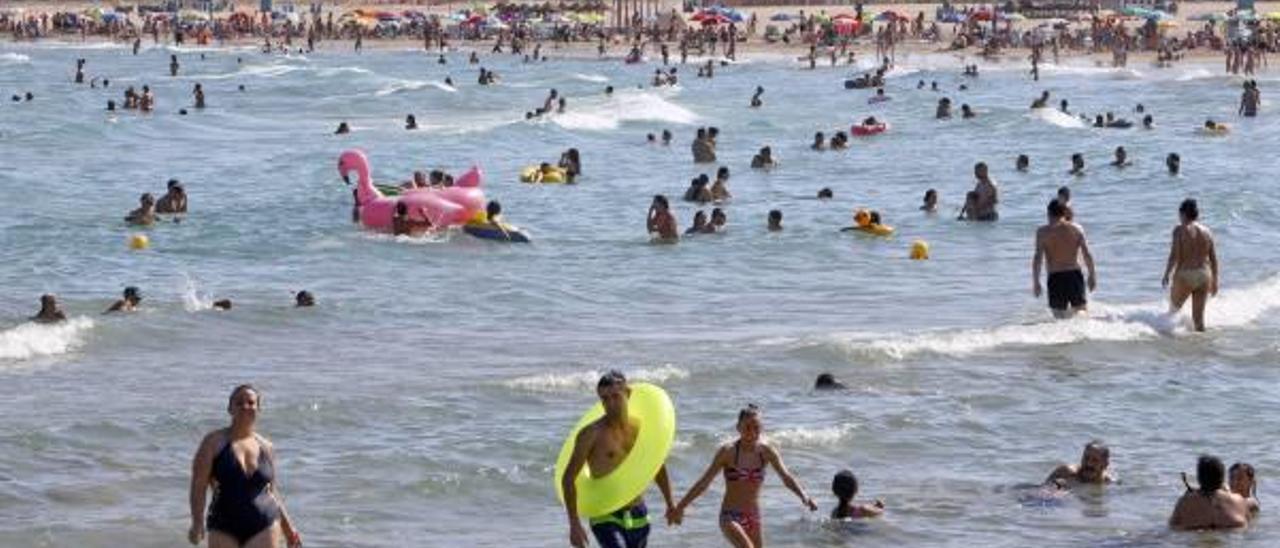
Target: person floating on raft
<point>869,126</point>
<point>489,226</point>
<point>1215,128</point>
<point>868,222</point>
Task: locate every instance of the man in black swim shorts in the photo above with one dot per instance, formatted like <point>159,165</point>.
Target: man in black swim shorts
<point>1059,245</point>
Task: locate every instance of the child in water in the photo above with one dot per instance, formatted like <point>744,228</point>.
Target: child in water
<point>845,487</point>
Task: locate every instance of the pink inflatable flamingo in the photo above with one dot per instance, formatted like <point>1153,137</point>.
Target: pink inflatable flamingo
<point>441,207</point>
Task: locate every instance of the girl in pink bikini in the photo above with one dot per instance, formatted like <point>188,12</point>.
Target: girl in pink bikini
<point>743,462</point>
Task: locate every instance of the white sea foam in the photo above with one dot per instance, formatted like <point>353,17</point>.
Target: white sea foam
<point>598,78</point>
<point>1234,308</point>
<point>192,299</point>
<point>1057,117</point>
<point>810,437</point>
<point>586,380</point>
<point>10,58</point>
<point>623,107</point>
<point>31,340</point>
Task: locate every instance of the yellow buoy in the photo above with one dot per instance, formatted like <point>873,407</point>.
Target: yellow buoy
<point>139,242</point>
<point>919,250</point>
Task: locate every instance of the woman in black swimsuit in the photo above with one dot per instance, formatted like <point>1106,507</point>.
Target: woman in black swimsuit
<point>240,465</point>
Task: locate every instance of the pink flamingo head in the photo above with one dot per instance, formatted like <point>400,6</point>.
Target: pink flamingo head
<point>355,160</point>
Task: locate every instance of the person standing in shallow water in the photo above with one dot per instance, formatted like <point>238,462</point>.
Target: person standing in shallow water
<point>743,463</point>
<point>1059,246</point>
<point>1192,264</point>
<point>602,446</point>
<point>988,195</point>
<point>240,465</point>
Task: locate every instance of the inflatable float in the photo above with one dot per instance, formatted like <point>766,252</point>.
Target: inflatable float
<point>650,408</point>
<point>1216,130</point>
<point>856,83</point>
<point>450,206</point>
<point>500,232</point>
<point>552,175</point>
<point>867,130</point>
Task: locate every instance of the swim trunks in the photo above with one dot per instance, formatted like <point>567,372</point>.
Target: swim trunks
<point>625,528</point>
<point>1066,288</point>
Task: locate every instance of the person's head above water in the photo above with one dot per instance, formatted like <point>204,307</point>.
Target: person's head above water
<point>825,194</point>
<point>1022,163</point>
<point>1173,162</point>
<point>304,298</point>
<point>493,209</point>
<point>132,295</point>
<point>1094,461</point>
<point>844,486</point>
<point>1242,479</point>
<point>827,381</point>
<point>775,220</point>
<point>1210,474</point>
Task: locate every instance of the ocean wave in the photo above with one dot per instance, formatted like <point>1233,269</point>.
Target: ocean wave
<point>11,58</point>
<point>1234,308</point>
<point>624,107</point>
<point>259,71</point>
<point>597,78</point>
<point>410,85</point>
<point>810,437</point>
<point>1056,117</point>
<point>586,380</point>
<point>30,340</point>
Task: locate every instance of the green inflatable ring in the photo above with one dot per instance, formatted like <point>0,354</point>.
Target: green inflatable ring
<point>649,407</point>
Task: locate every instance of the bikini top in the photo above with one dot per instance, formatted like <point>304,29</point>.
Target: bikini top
<point>740,473</point>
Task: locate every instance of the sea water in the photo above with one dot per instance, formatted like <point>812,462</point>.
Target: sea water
<point>423,401</point>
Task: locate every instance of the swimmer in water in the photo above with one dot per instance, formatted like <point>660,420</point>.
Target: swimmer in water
<point>966,112</point>
<point>80,71</point>
<point>755,99</point>
<point>1094,468</point>
<point>602,446</point>
<point>1042,102</point>
<point>845,487</point>
<point>145,214</point>
<point>775,220</point>
<point>1023,163</point>
<point>1242,481</point>
<point>704,150</point>
<point>1173,163</point>
<point>720,188</point>
<point>174,199</point>
<point>448,81</point>
<point>304,299</point>
<point>608,90</point>
<point>343,129</point>
<point>988,195</point>
<point>763,159</point>
<point>1122,158</point>
<point>1192,264</point>
<point>743,463</point>
<point>223,304</point>
<point>128,302</point>
<point>839,141</point>
<point>198,93</point>
<point>699,223</point>
<point>930,204</point>
<point>173,65</point>
<point>1077,165</point>
<point>410,122</point>
<point>719,221</point>
<point>1062,106</point>
<point>1148,122</point>
<point>49,310</point>
<point>1211,506</point>
<point>825,194</point>
<point>1059,246</point>
<point>819,142</point>
<point>698,190</point>
<point>247,508</point>
<point>943,111</point>
<point>666,137</point>
<point>660,224</point>
<point>827,381</point>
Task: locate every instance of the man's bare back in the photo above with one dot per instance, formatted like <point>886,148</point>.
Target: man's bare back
<point>1194,242</point>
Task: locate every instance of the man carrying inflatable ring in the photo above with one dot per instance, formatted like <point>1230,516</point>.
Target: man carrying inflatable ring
<point>623,443</point>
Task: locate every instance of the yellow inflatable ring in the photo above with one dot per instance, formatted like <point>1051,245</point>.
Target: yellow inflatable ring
<point>878,230</point>
<point>553,175</point>
<point>650,408</point>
